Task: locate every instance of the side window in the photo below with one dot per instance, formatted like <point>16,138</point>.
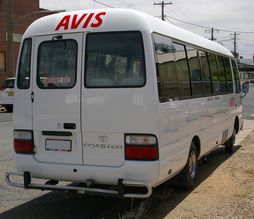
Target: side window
<point>24,68</point>
<point>195,71</point>
<point>215,73</point>
<point>172,69</point>
<point>166,68</point>
<point>207,88</point>
<point>228,75</point>
<point>57,63</point>
<point>182,70</point>
<point>236,77</point>
<point>223,81</point>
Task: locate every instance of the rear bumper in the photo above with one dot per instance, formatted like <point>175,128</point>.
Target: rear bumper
<point>119,190</point>
<point>103,175</point>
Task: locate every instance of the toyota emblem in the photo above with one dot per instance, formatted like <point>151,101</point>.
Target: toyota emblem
<point>102,138</point>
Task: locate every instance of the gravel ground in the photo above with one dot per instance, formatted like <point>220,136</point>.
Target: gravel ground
<point>225,188</point>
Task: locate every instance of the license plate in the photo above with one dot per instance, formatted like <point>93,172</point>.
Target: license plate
<point>58,145</point>
<point>10,93</point>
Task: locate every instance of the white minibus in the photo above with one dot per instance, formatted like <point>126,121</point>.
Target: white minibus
<point>119,102</point>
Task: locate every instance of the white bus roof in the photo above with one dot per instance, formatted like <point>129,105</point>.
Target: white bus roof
<point>104,20</point>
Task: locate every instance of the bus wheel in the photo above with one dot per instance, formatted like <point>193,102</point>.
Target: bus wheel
<point>229,144</point>
<point>189,173</point>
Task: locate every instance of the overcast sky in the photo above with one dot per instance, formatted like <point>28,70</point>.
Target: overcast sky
<point>233,15</point>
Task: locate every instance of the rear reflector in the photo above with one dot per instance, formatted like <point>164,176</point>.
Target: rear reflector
<point>143,147</point>
<point>141,152</point>
<point>23,142</point>
<point>24,146</point>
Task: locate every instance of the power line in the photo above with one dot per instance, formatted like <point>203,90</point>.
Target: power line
<point>206,27</point>
<point>197,25</point>
<point>180,11</point>
<point>162,4</point>
<point>169,20</point>
<point>101,3</point>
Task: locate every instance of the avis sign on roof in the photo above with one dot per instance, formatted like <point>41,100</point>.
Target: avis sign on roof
<point>77,21</point>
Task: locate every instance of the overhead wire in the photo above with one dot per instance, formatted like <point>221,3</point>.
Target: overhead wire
<point>169,20</point>
<point>207,27</point>
<point>101,3</point>
<point>186,22</point>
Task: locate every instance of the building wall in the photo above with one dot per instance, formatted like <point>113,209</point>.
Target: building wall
<point>20,8</point>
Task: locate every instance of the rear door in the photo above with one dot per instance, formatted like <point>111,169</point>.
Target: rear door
<point>113,96</point>
<point>56,98</point>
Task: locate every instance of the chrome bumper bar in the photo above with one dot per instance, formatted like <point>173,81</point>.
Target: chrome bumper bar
<point>119,192</point>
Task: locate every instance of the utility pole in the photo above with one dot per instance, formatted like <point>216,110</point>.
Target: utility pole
<point>212,30</point>
<point>162,4</point>
<point>212,38</point>
<point>235,43</point>
<point>10,70</point>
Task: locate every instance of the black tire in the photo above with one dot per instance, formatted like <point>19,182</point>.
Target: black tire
<point>229,144</point>
<point>188,175</point>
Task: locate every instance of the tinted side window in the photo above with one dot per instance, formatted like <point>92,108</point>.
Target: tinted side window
<point>166,68</point>
<point>215,73</point>
<point>195,71</point>
<point>228,75</point>
<point>172,69</point>
<point>57,63</point>
<point>182,70</point>
<point>236,77</point>
<point>223,81</point>
<point>23,77</point>
<point>207,88</point>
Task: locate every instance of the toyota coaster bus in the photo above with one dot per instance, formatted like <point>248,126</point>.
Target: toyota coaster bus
<point>119,102</point>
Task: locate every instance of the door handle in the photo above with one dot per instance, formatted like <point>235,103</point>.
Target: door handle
<point>69,126</point>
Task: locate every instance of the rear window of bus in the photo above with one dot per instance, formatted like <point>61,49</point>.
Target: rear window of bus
<point>57,64</point>
<point>114,59</point>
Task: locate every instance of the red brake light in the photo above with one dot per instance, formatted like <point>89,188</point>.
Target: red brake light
<point>141,147</point>
<point>24,146</point>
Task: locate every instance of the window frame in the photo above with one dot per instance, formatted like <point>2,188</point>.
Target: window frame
<point>231,73</point>
<point>190,74</point>
<point>114,87</point>
<point>236,77</point>
<point>76,65</point>
<point>210,82</point>
<point>212,71</point>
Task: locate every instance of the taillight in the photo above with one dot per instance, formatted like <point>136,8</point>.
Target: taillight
<point>141,147</point>
<point>23,142</point>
